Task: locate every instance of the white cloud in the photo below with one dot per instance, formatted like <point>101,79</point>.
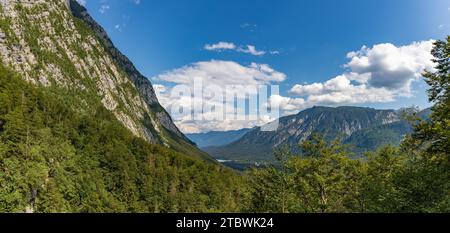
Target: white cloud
<point>288,105</point>
<point>252,50</point>
<point>120,27</point>
<point>248,49</point>
<point>378,74</point>
<point>221,74</point>
<point>220,46</point>
<point>381,73</point>
<point>249,27</point>
<point>104,8</point>
<point>392,67</point>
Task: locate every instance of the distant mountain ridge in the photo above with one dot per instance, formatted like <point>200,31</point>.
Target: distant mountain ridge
<point>363,128</point>
<point>216,138</point>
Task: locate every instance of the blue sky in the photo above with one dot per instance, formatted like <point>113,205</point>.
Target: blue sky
<point>306,41</point>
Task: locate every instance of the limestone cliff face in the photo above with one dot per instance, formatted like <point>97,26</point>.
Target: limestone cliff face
<point>143,85</point>
<point>57,43</point>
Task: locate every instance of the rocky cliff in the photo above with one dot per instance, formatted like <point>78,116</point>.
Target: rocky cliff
<point>142,83</point>
<point>55,43</point>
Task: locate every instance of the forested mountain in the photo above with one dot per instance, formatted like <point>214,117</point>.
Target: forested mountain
<point>373,138</point>
<point>363,129</point>
<point>54,158</point>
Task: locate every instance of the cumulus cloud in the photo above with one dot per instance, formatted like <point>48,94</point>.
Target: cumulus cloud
<point>216,77</point>
<point>390,66</point>
<point>223,73</point>
<point>287,105</point>
<point>378,74</point>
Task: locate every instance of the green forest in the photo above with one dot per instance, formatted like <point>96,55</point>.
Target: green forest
<point>52,159</point>
<point>56,159</point>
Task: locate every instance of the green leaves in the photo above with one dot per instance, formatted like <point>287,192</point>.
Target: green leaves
<point>435,134</point>
<point>322,179</point>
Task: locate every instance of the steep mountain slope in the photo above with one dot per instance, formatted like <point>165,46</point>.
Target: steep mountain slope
<point>57,43</point>
<point>217,138</point>
<point>55,159</point>
<point>333,123</point>
<point>372,138</point>
<point>142,83</point>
